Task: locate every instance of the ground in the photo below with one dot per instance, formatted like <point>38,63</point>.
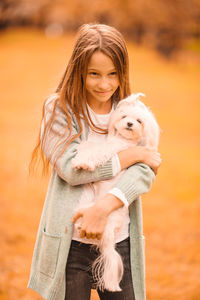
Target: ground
<point>30,67</point>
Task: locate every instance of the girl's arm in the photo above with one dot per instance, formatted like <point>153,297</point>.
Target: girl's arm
<point>63,164</point>
<point>139,154</point>
<point>138,177</point>
<point>135,181</point>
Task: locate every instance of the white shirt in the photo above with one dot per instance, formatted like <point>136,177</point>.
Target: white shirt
<point>101,120</point>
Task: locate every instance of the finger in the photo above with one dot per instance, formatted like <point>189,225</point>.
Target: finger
<point>88,235</point>
<point>78,215</point>
<point>98,236</point>
<point>82,233</point>
<point>93,236</point>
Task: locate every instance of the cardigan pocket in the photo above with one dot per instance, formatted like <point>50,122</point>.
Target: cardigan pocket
<point>48,257</point>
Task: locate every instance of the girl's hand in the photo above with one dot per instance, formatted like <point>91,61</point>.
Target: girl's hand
<point>138,154</point>
<point>151,158</point>
<point>94,218</point>
<point>93,222</point>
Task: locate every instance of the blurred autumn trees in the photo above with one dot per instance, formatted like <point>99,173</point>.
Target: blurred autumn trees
<point>163,24</point>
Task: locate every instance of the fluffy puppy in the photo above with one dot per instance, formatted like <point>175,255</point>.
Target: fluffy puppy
<point>132,123</point>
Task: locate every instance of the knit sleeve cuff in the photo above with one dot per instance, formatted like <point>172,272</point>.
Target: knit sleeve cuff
<point>105,171</point>
<point>136,181</point>
<point>119,194</point>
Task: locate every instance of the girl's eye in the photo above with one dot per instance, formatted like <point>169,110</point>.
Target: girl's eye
<point>113,73</point>
<point>139,121</point>
<point>93,73</point>
<point>123,117</point>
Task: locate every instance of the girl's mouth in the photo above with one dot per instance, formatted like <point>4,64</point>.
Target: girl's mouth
<point>103,93</point>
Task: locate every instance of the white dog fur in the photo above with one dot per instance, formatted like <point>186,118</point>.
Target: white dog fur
<point>132,123</point>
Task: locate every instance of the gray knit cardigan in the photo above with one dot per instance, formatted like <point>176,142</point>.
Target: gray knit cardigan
<point>65,187</point>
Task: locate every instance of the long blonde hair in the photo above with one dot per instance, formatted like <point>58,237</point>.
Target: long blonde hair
<point>71,89</point>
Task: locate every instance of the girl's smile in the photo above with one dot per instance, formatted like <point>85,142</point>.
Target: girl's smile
<point>101,82</point>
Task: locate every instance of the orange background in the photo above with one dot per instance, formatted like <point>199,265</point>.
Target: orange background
<point>30,67</point>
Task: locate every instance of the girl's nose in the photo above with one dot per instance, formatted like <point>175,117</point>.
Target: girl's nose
<point>103,84</point>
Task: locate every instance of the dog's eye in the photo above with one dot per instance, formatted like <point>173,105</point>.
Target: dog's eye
<point>123,117</point>
<point>139,121</point>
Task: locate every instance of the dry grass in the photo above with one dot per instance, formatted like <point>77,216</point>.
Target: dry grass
<point>30,66</point>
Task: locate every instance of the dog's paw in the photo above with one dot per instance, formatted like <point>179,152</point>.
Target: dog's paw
<point>84,165</point>
<point>89,167</point>
<point>75,164</point>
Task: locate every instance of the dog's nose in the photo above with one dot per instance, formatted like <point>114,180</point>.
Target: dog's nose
<point>129,124</point>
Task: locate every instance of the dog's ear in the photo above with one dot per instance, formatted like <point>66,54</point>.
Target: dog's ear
<point>111,125</point>
<point>133,99</point>
<point>152,132</point>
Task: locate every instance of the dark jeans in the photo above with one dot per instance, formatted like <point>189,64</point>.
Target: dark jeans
<point>79,280</point>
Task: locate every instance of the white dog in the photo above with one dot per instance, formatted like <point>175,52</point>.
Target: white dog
<point>132,123</point>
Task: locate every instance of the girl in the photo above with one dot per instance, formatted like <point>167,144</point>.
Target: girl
<point>96,78</point>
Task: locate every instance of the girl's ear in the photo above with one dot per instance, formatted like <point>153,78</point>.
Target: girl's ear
<point>133,99</point>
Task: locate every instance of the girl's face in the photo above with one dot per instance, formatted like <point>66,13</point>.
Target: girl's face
<point>101,81</point>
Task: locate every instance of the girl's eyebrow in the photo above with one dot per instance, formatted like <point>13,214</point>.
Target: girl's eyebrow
<point>93,69</point>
